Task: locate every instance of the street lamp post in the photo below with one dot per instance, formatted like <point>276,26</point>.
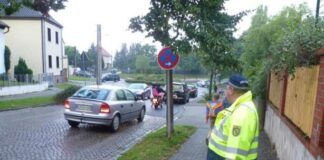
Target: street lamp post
<point>99,58</point>
<point>317,9</point>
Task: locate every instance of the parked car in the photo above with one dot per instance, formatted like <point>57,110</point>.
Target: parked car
<point>193,91</point>
<point>180,92</point>
<point>103,105</point>
<point>203,83</point>
<point>111,77</point>
<point>141,90</point>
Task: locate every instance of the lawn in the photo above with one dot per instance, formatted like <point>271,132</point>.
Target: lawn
<point>29,102</point>
<point>78,78</point>
<point>158,78</point>
<point>64,85</point>
<point>156,146</point>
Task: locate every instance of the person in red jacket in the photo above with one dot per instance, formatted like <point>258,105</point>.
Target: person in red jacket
<point>212,109</point>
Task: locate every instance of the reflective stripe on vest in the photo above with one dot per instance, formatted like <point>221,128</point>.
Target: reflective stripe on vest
<point>234,150</point>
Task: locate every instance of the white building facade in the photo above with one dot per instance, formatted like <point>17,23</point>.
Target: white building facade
<point>38,40</point>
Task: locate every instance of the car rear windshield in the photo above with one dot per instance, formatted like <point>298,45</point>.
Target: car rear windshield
<point>177,88</point>
<point>100,94</point>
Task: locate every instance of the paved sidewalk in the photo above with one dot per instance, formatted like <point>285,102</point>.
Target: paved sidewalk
<point>49,92</point>
<point>195,148</point>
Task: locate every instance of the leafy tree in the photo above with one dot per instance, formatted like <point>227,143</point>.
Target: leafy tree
<point>142,64</point>
<point>21,69</point>
<point>91,63</point>
<point>7,54</point>
<point>39,5</point>
<point>45,6</point>
<point>190,64</point>
<point>267,44</point>
<point>126,57</point>
<point>11,7</point>
<point>184,25</point>
<point>120,60</point>
<point>74,56</point>
<point>133,51</point>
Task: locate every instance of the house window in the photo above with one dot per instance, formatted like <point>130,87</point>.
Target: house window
<point>49,34</point>
<point>50,61</point>
<point>56,38</point>
<point>57,62</point>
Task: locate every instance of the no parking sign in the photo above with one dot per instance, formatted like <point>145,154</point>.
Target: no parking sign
<point>167,59</point>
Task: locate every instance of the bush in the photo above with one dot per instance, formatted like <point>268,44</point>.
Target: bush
<point>60,97</point>
<point>139,77</point>
<point>22,69</point>
<point>7,58</point>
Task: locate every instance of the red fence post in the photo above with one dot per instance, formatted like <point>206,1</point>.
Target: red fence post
<point>317,137</point>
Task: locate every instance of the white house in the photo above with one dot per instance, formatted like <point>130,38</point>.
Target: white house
<point>3,27</point>
<point>37,39</point>
<point>107,59</point>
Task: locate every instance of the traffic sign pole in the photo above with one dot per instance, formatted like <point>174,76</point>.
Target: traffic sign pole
<point>168,60</point>
<point>169,103</point>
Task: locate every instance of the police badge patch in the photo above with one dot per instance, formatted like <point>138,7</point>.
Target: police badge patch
<point>236,130</point>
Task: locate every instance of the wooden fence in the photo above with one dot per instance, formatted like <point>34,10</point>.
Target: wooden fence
<point>275,93</point>
<point>299,98</point>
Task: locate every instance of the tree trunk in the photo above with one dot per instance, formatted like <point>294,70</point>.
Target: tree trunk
<point>211,83</point>
<point>261,108</point>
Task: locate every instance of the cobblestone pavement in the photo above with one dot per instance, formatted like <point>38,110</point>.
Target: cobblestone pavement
<point>43,134</point>
<point>195,148</point>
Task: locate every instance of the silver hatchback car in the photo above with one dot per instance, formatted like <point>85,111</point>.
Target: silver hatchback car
<point>103,105</point>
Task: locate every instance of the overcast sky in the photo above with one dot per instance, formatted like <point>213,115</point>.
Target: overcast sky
<point>80,19</point>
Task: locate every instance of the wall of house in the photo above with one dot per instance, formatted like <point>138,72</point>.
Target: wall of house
<point>283,138</point>
<point>2,49</point>
<point>24,40</point>
<point>53,49</point>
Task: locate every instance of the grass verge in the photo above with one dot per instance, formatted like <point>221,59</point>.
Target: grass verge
<point>64,85</point>
<point>28,102</point>
<point>157,146</point>
<point>78,78</point>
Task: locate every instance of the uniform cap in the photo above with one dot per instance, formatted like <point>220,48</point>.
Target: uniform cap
<point>238,81</point>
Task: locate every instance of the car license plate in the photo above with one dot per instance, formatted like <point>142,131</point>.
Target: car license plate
<point>84,108</point>
<point>175,96</point>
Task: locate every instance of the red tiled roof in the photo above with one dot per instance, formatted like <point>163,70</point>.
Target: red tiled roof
<point>105,53</point>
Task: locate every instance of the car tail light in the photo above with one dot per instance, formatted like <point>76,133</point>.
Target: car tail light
<point>104,108</point>
<point>66,104</point>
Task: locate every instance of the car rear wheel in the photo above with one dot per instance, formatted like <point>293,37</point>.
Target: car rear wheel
<point>73,124</point>
<point>141,116</point>
<point>115,124</point>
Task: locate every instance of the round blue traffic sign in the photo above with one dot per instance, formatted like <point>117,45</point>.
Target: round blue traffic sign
<point>167,59</point>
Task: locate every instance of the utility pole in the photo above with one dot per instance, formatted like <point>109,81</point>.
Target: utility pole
<point>75,66</point>
<point>99,54</point>
<point>317,10</point>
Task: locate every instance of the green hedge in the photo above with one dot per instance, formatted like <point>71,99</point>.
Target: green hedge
<point>63,95</point>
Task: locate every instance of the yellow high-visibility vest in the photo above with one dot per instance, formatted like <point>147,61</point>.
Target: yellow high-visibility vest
<point>236,131</point>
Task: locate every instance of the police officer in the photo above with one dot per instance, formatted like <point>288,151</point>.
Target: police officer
<point>236,130</point>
